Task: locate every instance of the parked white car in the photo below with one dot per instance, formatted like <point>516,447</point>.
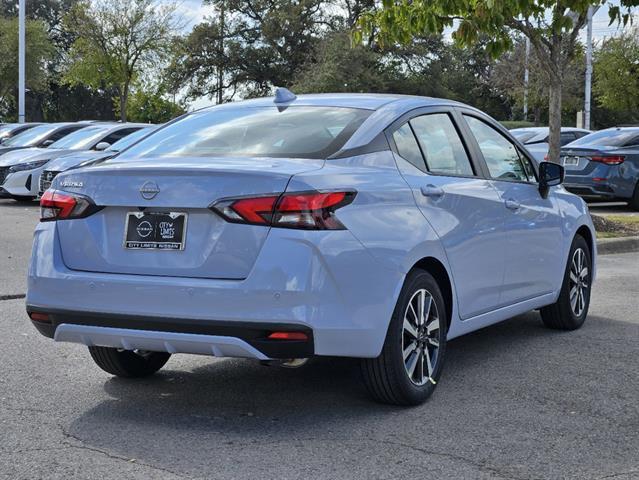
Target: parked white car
<point>535,139</point>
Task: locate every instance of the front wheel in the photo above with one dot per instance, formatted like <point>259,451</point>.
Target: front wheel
<point>126,363</point>
<point>571,308</point>
<point>407,370</point>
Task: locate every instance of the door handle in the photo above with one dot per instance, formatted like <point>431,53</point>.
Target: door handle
<point>432,191</point>
<point>512,204</point>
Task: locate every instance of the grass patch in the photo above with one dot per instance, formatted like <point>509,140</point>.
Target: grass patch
<point>630,220</point>
<point>612,226</point>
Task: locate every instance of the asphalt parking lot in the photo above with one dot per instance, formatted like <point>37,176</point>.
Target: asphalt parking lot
<point>516,401</point>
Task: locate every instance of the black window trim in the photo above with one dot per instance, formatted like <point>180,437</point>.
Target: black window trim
<point>521,150</point>
<point>478,169</point>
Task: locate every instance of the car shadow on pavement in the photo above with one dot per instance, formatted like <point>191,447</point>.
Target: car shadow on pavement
<point>9,202</point>
<point>515,378</point>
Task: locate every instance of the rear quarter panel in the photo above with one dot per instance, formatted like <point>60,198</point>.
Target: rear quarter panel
<point>385,220</point>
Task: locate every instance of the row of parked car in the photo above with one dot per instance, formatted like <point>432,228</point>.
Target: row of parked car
<point>32,154</point>
<point>602,164</point>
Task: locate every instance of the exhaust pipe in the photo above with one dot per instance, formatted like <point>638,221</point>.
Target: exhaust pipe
<point>287,363</point>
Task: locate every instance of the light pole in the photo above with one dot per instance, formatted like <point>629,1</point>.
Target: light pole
<point>587,89</point>
<point>21,59</point>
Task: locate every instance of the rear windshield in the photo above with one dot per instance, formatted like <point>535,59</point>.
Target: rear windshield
<point>608,138</point>
<point>32,136</point>
<point>295,132</point>
<point>523,136</point>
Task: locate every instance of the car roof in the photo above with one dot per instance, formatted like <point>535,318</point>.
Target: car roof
<point>367,101</point>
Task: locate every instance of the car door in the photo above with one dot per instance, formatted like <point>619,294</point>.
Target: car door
<point>460,204</point>
<point>533,223</point>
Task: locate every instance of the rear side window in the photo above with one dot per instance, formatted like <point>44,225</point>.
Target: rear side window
<point>296,132</point>
<point>566,138</point>
<point>407,146</point>
<point>501,156</point>
<point>444,151</point>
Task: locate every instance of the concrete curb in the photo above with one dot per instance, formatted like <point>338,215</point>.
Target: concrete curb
<point>608,246</point>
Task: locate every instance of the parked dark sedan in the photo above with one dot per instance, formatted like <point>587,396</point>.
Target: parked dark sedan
<point>604,165</point>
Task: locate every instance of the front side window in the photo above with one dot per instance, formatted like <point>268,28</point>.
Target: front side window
<point>444,151</point>
<point>294,132</point>
<point>501,156</point>
<point>82,139</point>
<point>129,140</point>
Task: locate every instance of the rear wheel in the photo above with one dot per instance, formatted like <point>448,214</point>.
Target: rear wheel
<point>412,357</point>
<point>125,363</point>
<point>571,308</point>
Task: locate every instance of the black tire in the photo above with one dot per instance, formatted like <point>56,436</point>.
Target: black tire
<point>562,315</point>
<point>634,201</point>
<point>128,364</point>
<point>387,377</point>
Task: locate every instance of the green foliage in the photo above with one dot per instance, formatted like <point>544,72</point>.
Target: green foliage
<point>39,48</point>
<point>617,73</point>
<point>252,46</point>
<point>116,40</point>
<point>510,124</point>
<point>152,106</point>
<point>340,68</point>
<point>552,26</point>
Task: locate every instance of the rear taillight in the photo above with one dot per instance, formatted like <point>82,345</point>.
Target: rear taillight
<point>299,336</point>
<point>305,210</point>
<point>56,205</point>
<point>609,159</point>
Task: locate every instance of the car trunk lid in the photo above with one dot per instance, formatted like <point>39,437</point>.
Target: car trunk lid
<point>212,247</point>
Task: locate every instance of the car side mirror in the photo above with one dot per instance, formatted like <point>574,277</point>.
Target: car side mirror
<point>47,143</point>
<point>102,146</point>
<point>550,175</point>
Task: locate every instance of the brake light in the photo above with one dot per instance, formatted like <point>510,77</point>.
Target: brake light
<point>609,159</point>
<point>57,205</point>
<point>40,317</point>
<point>288,336</point>
<point>304,210</point>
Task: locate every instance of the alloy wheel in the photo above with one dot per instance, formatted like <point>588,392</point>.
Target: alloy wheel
<point>579,282</point>
<point>420,337</point>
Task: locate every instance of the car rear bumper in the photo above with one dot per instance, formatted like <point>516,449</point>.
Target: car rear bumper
<point>323,283</point>
<point>203,337</point>
<point>591,189</point>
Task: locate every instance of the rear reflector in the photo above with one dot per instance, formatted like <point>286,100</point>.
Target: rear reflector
<point>40,317</point>
<point>609,159</point>
<point>57,205</point>
<point>288,336</point>
<point>304,210</point>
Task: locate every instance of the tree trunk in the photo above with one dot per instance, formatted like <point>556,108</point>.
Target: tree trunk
<point>554,119</point>
<point>124,100</point>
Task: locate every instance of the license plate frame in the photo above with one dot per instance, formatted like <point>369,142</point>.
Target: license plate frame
<point>157,231</point>
<point>570,161</point>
